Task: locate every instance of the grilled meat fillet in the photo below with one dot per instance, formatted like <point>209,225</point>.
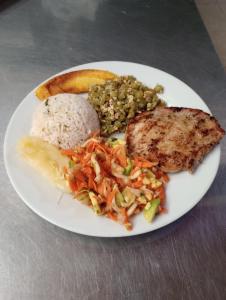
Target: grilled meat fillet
<point>177,138</point>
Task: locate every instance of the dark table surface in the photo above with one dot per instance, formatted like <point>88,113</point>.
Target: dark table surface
<point>185,260</point>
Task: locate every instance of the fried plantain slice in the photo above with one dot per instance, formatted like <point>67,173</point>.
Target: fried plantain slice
<point>74,82</point>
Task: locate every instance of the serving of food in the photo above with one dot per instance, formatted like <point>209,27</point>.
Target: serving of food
<point>114,143</point>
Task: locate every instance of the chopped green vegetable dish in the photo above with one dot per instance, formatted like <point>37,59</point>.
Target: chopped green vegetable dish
<point>119,100</point>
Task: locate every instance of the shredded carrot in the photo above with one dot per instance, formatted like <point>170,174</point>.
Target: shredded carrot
<point>105,168</point>
<point>86,158</point>
<point>80,150</point>
<point>123,211</point>
<point>161,193</point>
<point>87,170</point>
<point>68,152</point>
<point>103,148</point>
<point>81,185</point>
<point>108,185</point>
<point>165,178</point>
<point>137,184</point>
<point>79,175</point>
<point>143,163</point>
<point>112,216</point>
<point>125,216</point>
<point>90,147</point>
<point>134,170</point>
<point>73,185</point>
<point>91,183</point>
<point>104,188</point>
<point>77,156</point>
<point>120,182</point>
<point>111,196</point>
<point>120,154</point>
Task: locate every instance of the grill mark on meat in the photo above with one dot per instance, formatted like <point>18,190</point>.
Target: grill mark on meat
<point>177,138</point>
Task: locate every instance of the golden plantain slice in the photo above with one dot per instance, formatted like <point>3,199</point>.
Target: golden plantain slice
<point>74,82</point>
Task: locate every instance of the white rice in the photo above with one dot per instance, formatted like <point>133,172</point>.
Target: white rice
<point>65,120</point>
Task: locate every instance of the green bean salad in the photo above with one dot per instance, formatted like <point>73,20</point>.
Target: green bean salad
<point>119,100</point>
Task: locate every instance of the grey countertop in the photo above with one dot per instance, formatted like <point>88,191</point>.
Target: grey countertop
<point>185,260</point>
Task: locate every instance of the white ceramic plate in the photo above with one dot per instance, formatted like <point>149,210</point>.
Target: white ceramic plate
<point>183,191</point>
